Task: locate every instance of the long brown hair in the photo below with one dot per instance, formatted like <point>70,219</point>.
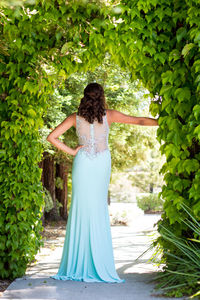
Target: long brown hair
<point>93,104</point>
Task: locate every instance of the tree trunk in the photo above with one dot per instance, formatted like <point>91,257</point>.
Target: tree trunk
<point>61,193</point>
<point>41,165</point>
<point>108,199</point>
<point>151,187</point>
<point>48,178</point>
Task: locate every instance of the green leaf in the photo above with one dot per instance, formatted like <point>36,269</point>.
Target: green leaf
<point>197,37</point>
<point>66,47</point>
<point>196,65</point>
<point>7,135</point>
<point>183,94</point>
<point>30,86</point>
<point>161,57</point>
<point>197,78</point>
<point>187,49</point>
<point>165,102</point>
<point>167,77</point>
<point>191,165</point>
<point>62,73</point>
<point>174,55</point>
<point>197,131</point>
<point>196,110</point>
<point>181,33</point>
<point>31,112</point>
<point>28,49</point>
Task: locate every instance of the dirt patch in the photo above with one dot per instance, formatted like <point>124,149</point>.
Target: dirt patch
<point>150,211</point>
<point>52,230</point>
<point>4,283</point>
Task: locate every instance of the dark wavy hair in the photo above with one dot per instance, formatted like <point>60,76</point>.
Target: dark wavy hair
<point>93,105</point>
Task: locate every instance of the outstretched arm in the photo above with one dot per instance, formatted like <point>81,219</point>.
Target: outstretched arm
<point>59,130</point>
<point>117,116</point>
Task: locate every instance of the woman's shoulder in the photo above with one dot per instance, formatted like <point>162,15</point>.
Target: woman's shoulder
<point>119,117</point>
<point>110,113</point>
<point>72,117</point>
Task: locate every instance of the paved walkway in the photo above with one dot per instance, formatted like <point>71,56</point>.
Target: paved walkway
<point>128,243</point>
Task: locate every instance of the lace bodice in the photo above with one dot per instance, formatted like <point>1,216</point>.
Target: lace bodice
<point>93,136</point>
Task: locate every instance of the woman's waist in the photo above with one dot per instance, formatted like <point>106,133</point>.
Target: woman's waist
<point>93,153</point>
<point>94,147</point>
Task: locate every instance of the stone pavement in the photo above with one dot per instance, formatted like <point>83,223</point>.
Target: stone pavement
<point>128,243</point>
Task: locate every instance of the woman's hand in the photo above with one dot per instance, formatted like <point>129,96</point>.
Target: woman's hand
<point>75,151</point>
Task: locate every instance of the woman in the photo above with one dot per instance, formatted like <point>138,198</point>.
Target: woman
<point>87,252</point>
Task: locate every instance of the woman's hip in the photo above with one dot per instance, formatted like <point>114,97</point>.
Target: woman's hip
<point>98,165</point>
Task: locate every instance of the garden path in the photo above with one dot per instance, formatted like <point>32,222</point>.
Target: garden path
<point>128,243</point>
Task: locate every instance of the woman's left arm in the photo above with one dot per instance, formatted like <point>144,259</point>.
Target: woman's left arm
<point>59,130</point>
<point>119,117</point>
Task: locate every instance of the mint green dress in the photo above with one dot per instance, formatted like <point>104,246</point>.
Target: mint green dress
<point>87,252</point>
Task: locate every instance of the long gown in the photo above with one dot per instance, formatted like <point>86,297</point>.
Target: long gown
<point>87,252</point>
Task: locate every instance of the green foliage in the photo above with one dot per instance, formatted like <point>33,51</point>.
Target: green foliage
<point>36,54</point>
<point>16,3</point>
<point>59,183</point>
<point>146,175</point>
<point>150,202</point>
<point>41,44</point>
<point>48,201</point>
<point>58,205</point>
<point>163,47</point>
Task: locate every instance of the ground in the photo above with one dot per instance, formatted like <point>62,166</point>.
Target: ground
<point>53,230</point>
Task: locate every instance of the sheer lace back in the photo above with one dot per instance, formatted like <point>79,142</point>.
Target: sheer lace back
<point>93,136</point>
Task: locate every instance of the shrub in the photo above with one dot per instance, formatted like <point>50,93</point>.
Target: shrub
<point>48,200</point>
<point>182,272</point>
<point>58,205</point>
<point>150,202</point>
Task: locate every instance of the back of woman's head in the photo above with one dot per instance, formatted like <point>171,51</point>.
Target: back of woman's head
<point>93,104</point>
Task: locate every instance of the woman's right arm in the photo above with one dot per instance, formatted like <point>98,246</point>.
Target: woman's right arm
<point>59,130</point>
<point>118,117</point>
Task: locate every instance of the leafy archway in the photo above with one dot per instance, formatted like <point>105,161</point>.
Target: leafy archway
<point>44,42</point>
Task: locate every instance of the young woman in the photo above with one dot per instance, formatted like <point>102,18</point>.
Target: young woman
<point>87,251</point>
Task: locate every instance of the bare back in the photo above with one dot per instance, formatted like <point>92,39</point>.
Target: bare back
<point>93,136</point>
